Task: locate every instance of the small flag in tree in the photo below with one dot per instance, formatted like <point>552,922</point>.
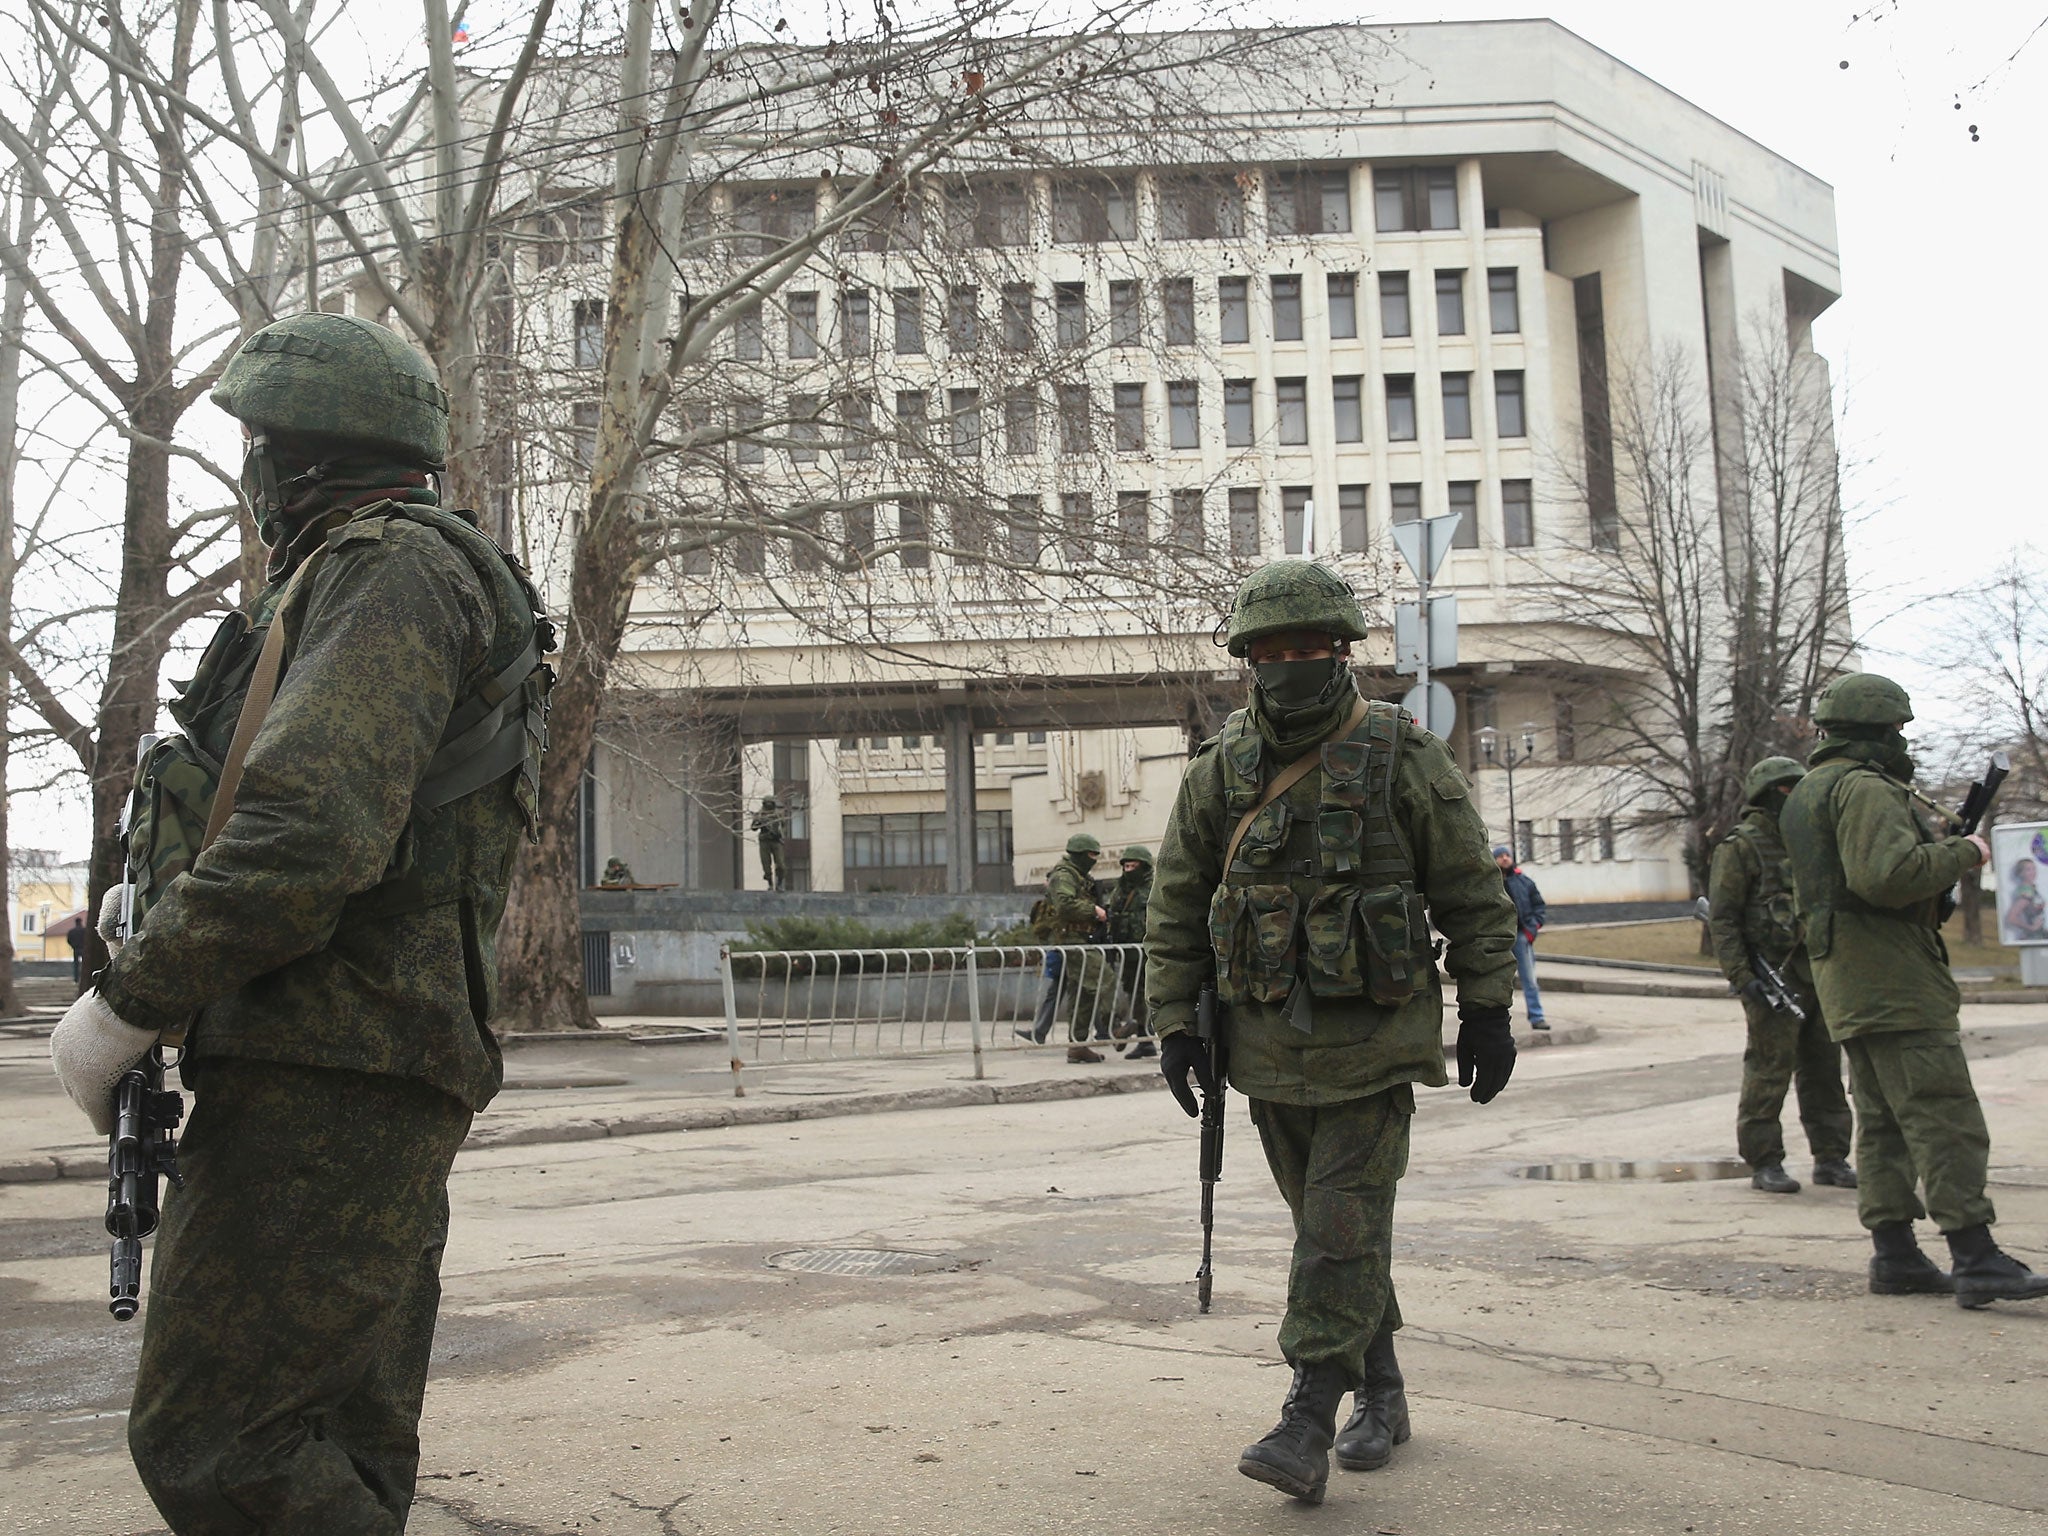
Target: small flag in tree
<point>461,33</point>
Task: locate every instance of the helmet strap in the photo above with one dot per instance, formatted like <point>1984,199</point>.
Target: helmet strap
<point>268,502</point>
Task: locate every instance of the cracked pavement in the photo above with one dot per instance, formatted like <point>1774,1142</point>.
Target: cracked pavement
<point>615,1355</point>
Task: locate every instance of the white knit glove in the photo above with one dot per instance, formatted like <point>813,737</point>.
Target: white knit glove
<point>90,1048</point>
<point>112,905</point>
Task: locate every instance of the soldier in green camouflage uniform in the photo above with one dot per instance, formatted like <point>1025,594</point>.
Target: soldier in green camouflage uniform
<point>333,952</point>
<point>1868,874</point>
<point>1126,908</point>
<point>770,827</point>
<point>1750,895</point>
<point>1317,937</point>
<point>1072,913</point>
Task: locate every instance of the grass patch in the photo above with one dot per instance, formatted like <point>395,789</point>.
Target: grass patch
<point>1677,942</point>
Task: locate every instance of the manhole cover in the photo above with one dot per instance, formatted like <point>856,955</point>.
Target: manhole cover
<point>858,1261</point>
<point>1659,1173</point>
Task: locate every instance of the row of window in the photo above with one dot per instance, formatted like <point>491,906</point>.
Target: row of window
<point>917,839</point>
<point>1020,530</point>
<point>915,743</point>
<point>1572,840</point>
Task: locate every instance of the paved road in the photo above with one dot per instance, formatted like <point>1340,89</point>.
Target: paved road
<point>618,1355</point>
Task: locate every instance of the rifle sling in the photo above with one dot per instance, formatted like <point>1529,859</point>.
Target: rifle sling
<point>1292,775</point>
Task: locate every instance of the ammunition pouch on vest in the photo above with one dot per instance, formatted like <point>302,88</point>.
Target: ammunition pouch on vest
<point>1330,901</point>
<point>496,730</point>
<point>1770,918</point>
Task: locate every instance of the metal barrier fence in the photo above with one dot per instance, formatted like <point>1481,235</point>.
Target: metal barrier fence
<point>831,1004</point>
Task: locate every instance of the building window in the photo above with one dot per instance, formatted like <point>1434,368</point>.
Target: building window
<point>1077,528</point>
<point>1034,738</point>
<point>859,411</point>
<point>1233,310</point>
<point>1507,403</point>
<point>1286,308</point>
<point>1088,212</point>
<point>1244,520</point>
<point>1342,288</point>
<point>1401,407</point>
<point>1351,518</point>
<point>746,422</point>
<point>1294,515</point>
<point>1185,520</point>
<point>1017,317</point>
<point>1290,399</point>
<point>856,322</point>
<point>1525,842</point>
<point>1464,501</point>
<point>588,318</point>
<point>1517,517</point>
<point>1567,840</point>
<point>747,344</point>
<point>1070,314</point>
<point>1184,414</point>
<point>1076,436</point>
<point>1603,829</point>
<point>1237,413</point>
<point>1133,521</point>
<point>1567,732</point>
<point>1503,303</point>
<point>1415,197</point>
<point>963,411</point>
<point>995,837</point>
<point>1450,303</point>
<point>583,419</point>
<point>896,839</point>
<point>28,922</point>
<point>914,539</point>
<point>803,428</point>
<point>1026,530</point>
<point>963,319</point>
<point>1309,202</point>
<point>913,422</point>
<point>1001,213</point>
<point>1020,423</point>
<point>1406,502</point>
<point>908,305</point>
<point>1394,316</point>
<point>767,217</point>
<point>1457,388</point>
<point>1201,208</point>
<point>895,225</point>
<point>1177,302</point>
<point>803,325</point>
<point>1126,321</point>
<point>1130,418</point>
<point>1347,401</point>
<point>858,524</point>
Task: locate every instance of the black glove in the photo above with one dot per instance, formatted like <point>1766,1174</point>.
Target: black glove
<point>1486,1050</point>
<point>1180,1054</point>
<point>1754,987</point>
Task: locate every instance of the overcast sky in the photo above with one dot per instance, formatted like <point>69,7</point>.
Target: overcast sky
<point>1941,239</point>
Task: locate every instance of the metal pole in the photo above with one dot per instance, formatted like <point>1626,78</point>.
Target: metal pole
<point>1422,626</point>
<point>1514,839</point>
<point>974,1011</point>
<point>732,1017</point>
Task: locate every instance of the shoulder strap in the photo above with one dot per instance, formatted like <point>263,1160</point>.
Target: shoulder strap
<point>1292,775</point>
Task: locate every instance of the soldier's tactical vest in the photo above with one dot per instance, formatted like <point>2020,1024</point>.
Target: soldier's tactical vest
<point>1330,900</point>
<point>1770,920</point>
<point>1811,839</point>
<point>498,730</point>
<point>1126,905</point>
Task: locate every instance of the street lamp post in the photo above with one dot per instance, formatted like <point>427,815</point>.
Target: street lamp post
<point>1489,740</point>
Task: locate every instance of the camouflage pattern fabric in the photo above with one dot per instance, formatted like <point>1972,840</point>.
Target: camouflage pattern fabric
<point>1070,901</point>
<point>1126,908</point>
<point>292,1300</point>
<point>1781,1051</point>
<point>338,376</point>
<point>1337,1166</point>
<point>330,925</point>
<point>1092,984</point>
<point>1750,902</point>
<point>1918,1125</point>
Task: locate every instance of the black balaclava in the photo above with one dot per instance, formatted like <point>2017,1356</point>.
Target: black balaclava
<point>1295,704</point>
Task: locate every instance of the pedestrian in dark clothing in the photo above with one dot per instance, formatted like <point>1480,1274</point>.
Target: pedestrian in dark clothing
<point>75,937</point>
<point>1530,916</point>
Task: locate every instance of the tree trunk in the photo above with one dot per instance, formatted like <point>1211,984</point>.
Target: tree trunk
<point>1972,899</point>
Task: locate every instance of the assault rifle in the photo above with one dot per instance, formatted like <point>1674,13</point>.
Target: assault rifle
<point>141,1148</point>
<point>1776,991</point>
<point>1976,806</point>
<point>1208,1032</point>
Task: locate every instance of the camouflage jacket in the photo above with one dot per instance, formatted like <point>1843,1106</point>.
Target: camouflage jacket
<point>1070,901</point>
<point>1749,895</point>
<point>1357,1046</point>
<point>1867,874</point>
<point>1126,907</point>
<point>331,924</point>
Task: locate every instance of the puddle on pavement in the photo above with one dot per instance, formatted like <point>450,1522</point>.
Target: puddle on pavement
<point>1656,1173</point>
<point>860,1261</point>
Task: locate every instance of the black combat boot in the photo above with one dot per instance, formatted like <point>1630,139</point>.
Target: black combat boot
<point>1835,1171</point>
<point>1985,1273</point>
<point>1772,1179</point>
<point>1899,1268</point>
<point>1379,1421</point>
<point>1295,1457</point>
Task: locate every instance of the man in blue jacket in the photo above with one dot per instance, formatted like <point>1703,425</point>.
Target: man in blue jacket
<point>1530,914</point>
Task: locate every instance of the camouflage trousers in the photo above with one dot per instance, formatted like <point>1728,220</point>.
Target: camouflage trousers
<point>1091,983</point>
<point>773,871</point>
<point>292,1299</point>
<point>1918,1125</point>
<point>1780,1052</point>
<point>1337,1165</point>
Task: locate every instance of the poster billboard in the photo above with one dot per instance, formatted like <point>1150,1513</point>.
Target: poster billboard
<point>2019,857</point>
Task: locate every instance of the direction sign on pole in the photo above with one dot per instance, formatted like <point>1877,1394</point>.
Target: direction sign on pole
<point>1442,635</point>
<point>1425,542</point>
<point>1433,708</point>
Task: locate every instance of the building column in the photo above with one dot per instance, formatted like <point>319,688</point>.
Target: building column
<point>958,735</point>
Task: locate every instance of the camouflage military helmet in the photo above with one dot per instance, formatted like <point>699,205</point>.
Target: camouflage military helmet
<point>1862,698</point>
<point>1772,770</point>
<point>1084,842</point>
<point>338,376</point>
<point>1293,594</point>
<point>1137,853</point>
